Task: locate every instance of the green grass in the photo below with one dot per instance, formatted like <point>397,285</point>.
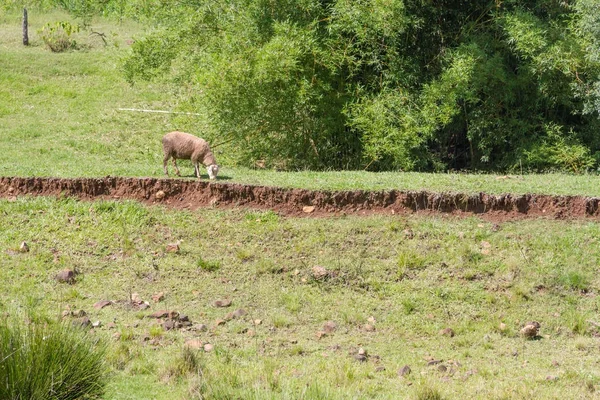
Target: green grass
<point>60,118</point>
<point>408,287</point>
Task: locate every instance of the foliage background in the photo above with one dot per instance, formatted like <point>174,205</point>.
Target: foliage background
<point>376,84</point>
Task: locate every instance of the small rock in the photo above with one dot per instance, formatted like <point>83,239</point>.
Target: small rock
<point>136,298</point>
<point>433,362</point>
<point>362,352</point>
<point>360,357</point>
<point>222,303</point>
<point>371,320</point>
<point>447,332</point>
<point>159,314</point>
<point>320,334</point>
<point>502,327</point>
<point>168,325</point>
<point>200,328</point>
<point>329,327</point>
<point>251,332</point>
<point>220,322</point>
<point>82,322</point>
<point>111,325</point>
<point>172,248</point>
<point>404,371</point>
<point>208,347</point>
<point>79,313</point>
<point>551,378</point>
<point>380,368</point>
<point>173,314</point>
<point>158,297</point>
<point>66,276</point>
<point>530,330</point>
<point>257,322</point>
<point>408,233</point>
<point>159,195</point>
<point>97,324</point>
<point>183,318</point>
<point>101,304</point>
<point>319,272</point>
<point>24,248</point>
<point>369,328</point>
<point>195,344</point>
<point>143,305</point>
<point>308,209</point>
<point>442,368</point>
<point>239,313</point>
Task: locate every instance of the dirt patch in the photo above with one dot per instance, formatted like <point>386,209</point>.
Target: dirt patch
<point>185,194</point>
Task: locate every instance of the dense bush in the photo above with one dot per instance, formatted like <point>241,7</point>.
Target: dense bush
<point>379,84</point>
<point>49,361</point>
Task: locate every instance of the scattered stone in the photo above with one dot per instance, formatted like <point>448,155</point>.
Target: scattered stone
<point>360,357</point>
<point>404,371</point>
<point>82,322</point>
<point>502,327</point>
<point>408,233</point>
<point>66,313</point>
<point>168,325</point>
<point>208,347</point>
<point>159,314</point>
<point>369,328</point>
<point>220,322</point>
<point>380,368</point>
<point>257,322</point>
<point>308,209</point>
<point>362,351</point>
<point>24,247</point>
<point>183,318</point>
<point>551,378</point>
<point>228,317</point>
<point>433,362</point>
<point>97,324</point>
<point>251,332</point>
<point>222,303</point>
<point>136,298</point>
<point>158,297</point>
<point>442,368</point>
<point>200,328</point>
<point>66,276</point>
<point>101,304</point>
<point>320,334</point>
<point>159,195</point>
<point>195,344</point>
<point>111,325</point>
<point>530,330</point>
<point>172,248</point>
<point>117,335</point>
<point>447,332</point>
<point>174,315</point>
<point>143,305</point>
<point>371,320</point>
<point>329,327</point>
<point>319,272</point>
<point>79,313</point>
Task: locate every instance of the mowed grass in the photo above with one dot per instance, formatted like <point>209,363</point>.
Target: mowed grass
<point>59,116</point>
<point>388,284</point>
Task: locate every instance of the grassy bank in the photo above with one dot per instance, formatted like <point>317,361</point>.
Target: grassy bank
<point>386,285</point>
<point>60,117</point>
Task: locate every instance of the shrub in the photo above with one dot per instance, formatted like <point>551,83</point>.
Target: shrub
<point>57,36</point>
<point>50,358</point>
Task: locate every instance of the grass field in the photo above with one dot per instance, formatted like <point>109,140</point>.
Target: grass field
<point>60,117</point>
<point>408,278</point>
<point>388,285</point>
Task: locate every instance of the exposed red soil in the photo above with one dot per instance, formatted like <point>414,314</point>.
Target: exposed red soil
<point>186,194</point>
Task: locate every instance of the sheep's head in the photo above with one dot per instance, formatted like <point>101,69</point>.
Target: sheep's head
<point>212,170</point>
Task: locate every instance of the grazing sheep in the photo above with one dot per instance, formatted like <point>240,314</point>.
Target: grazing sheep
<point>185,146</point>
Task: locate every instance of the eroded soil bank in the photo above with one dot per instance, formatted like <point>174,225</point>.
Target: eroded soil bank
<point>187,194</point>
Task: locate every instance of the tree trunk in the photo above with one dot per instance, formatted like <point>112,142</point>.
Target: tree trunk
<point>25,34</point>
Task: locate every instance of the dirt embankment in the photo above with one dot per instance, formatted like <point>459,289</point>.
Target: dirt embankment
<point>194,194</point>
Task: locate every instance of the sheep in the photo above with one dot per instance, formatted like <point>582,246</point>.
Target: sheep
<point>185,146</point>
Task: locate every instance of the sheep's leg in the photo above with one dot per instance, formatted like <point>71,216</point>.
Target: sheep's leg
<point>165,161</point>
<point>176,169</point>
<point>197,170</point>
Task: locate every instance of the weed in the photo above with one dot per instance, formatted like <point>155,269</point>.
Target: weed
<point>209,266</point>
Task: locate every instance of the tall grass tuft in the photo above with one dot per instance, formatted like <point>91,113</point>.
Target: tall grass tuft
<point>56,361</point>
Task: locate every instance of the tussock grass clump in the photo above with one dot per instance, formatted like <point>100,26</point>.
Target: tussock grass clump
<point>42,359</point>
